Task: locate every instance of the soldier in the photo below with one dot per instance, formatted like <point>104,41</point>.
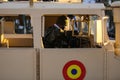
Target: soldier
<point>54,35</point>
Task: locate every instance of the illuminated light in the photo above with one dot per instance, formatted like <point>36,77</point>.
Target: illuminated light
<point>2,38</point>
<point>4,41</point>
<point>35,1</point>
<point>3,0</point>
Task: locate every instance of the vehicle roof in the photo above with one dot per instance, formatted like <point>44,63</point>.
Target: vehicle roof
<point>23,7</point>
<point>25,4</point>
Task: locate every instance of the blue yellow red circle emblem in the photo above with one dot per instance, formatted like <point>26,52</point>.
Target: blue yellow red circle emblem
<point>74,70</point>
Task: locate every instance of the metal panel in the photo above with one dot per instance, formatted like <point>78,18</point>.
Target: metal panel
<point>52,62</point>
<point>113,66</point>
<point>17,64</point>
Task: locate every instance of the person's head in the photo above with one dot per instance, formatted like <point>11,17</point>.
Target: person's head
<point>70,16</point>
<point>61,21</point>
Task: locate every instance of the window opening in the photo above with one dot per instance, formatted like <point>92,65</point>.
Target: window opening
<point>16,31</point>
<point>79,32</point>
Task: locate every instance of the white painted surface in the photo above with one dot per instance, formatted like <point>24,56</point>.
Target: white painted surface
<point>52,62</point>
<point>17,64</point>
<point>113,66</point>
